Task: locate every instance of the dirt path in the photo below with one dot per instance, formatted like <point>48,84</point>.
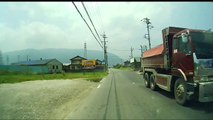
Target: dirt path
<point>46,99</point>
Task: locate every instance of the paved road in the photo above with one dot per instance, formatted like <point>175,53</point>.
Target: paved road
<point>122,95</point>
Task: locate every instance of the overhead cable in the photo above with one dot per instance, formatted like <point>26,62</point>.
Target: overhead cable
<point>87,25</point>
<point>91,20</point>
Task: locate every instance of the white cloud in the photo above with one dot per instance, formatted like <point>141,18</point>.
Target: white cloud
<point>53,23</point>
<point>124,25</point>
<point>37,35</point>
<point>58,24</point>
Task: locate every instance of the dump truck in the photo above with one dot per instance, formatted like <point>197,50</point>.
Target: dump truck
<point>182,64</point>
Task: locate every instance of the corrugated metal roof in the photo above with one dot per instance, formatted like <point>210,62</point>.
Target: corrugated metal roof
<point>154,51</point>
<point>34,62</point>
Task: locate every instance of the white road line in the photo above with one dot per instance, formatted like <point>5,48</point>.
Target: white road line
<point>99,85</point>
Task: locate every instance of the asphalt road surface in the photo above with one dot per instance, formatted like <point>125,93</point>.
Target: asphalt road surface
<point>122,95</point>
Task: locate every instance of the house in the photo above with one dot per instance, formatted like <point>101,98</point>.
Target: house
<point>76,63</point>
<point>51,65</point>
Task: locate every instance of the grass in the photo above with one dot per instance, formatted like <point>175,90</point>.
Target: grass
<point>6,77</point>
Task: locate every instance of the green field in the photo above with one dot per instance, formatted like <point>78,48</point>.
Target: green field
<point>6,77</point>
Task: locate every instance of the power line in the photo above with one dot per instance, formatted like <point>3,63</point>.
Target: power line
<point>99,13</point>
<point>91,20</point>
<point>87,24</point>
<point>118,49</point>
<point>98,20</point>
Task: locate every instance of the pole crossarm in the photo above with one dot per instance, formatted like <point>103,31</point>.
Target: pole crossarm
<point>148,26</point>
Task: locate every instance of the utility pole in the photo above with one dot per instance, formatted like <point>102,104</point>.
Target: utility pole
<point>27,58</point>
<point>105,52</point>
<point>85,50</point>
<point>18,58</point>
<point>8,59</point>
<point>143,48</point>
<point>1,58</point>
<point>148,26</point>
<point>132,52</point>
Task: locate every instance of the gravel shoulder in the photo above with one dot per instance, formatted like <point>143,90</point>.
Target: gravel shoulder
<point>45,99</point>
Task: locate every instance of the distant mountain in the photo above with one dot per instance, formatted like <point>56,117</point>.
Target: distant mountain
<point>63,55</point>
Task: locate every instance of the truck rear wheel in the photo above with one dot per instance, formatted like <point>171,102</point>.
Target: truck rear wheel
<point>180,91</point>
<point>146,80</point>
<point>153,85</point>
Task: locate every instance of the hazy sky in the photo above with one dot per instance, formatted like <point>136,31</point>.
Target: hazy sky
<point>42,25</point>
